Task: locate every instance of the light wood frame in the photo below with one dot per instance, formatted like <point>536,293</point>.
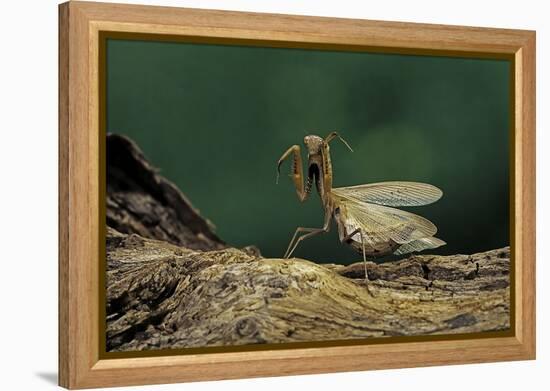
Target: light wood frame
<point>80,24</point>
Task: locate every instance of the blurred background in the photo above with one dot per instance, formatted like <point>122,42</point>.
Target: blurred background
<point>215,119</point>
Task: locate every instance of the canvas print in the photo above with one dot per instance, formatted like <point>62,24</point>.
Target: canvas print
<point>264,196</point>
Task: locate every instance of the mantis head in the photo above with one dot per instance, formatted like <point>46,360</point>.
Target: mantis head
<point>314,144</point>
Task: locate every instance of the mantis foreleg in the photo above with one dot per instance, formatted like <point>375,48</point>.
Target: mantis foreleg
<point>297,171</point>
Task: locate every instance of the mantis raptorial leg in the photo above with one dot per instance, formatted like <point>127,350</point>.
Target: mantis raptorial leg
<point>297,171</point>
<point>310,232</point>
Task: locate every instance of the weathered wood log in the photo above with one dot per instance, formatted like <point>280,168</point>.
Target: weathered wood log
<point>164,296</point>
<point>171,283</point>
<point>142,202</point>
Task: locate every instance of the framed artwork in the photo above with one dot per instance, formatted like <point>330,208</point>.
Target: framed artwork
<point>248,195</point>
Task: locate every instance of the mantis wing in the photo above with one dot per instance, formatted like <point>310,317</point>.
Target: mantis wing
<point>381,224</point>
<point>419,245</point>
<point>391,193</point>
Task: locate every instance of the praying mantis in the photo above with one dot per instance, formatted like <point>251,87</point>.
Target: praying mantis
<point>365,215</point>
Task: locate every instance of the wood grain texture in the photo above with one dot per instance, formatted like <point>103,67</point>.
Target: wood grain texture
<point>80,24</point>
<point>291,28</point>
<point>525,260</point>
<point>64,338</point>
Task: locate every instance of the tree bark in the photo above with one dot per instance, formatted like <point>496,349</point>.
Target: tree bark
<point>171,283</point>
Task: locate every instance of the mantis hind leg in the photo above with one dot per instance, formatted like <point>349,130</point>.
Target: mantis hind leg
<point>349,237</point>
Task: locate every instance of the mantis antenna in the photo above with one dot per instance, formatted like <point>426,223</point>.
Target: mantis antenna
<point>333,135</point>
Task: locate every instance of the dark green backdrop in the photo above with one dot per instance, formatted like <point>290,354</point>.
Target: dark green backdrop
<point>215,119</point>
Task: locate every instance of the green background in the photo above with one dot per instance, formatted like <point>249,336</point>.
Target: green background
<point>215,119</point>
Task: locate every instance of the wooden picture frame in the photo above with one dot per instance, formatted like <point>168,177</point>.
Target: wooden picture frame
<point>80,209</point>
